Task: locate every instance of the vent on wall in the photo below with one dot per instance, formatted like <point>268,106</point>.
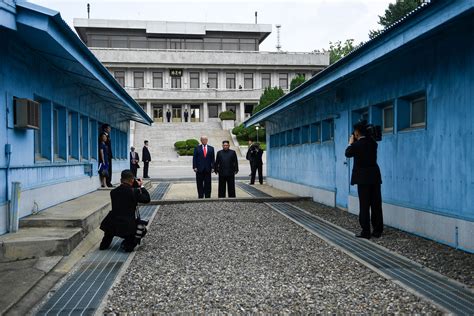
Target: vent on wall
<point>26,113</point>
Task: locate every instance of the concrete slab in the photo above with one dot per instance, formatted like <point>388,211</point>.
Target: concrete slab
<point>39,242</point>
<point>188,191</point>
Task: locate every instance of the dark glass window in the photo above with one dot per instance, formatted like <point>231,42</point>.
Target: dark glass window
<point>98,41</point>
<point>387,118</point>
<point>176,82</point>
<point>212,44</point>
<point>120,77</point>
<point>230,44</point>
<point>248,81</point>
<point>213,110</point>
<point>157,43</point>
<point>283,80</point>
<point>212,80</point>
<point>138,42</point>
<point>418,112</point>
<point>316,132</point>
<point>266,80</point>
<point>118,41</point>
<point>230,80</point>
<point>157,80</point>
<point>248,44</point>
<point>194,80</point>
<point>138,81</point>
<point>195,44</point>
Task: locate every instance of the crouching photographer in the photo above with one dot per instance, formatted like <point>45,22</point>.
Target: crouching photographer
<point>122,220</point>
<point>366,174</point>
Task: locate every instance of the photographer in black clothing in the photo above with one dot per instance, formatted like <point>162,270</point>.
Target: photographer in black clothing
<point>254,155</point>
<point>121,220</point>
<point>366,174</point>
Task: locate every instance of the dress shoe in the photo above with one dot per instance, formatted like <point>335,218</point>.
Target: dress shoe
<point>377,235</point>
<point>363,236</point>
<point>110,185</point>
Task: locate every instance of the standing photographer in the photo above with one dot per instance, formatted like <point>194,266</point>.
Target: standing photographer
<point>366,174</point>
<point>121,220</point>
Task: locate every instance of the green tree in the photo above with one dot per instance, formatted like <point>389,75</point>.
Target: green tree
<point>337,50</point>
<point>395,12</point>
<point>269,96</point>
<point>296,81</point>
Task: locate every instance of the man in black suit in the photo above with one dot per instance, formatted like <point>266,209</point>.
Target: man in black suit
<point>254,155</point>
<point>168,116</point>
<point>203,166</point>
<point>186,115</point>
<point>366,174</point>
<point>106,129</point>
<point>146,158</point>
<point>134,159</point>
<point>121,220</point>
<point>227,167</point>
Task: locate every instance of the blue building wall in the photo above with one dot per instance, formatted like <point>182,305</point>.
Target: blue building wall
<point>429,169</point>
<point>26,74</point>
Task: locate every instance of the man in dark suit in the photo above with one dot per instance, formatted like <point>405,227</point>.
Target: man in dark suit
<point>134,159</point>
<point>186,115</point>
<point>254,155</point>
<point>106,129</point>
<point>146,158</point>
<point>203,166</point>
<point>227,167</point>
<point>168,116</point>
<point>366,174</point>
<point>121,220</point>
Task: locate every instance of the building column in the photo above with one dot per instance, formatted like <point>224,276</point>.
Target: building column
<point>241,112</point>
<point>205,112</point>
<point>149,110</point>
<point>223,106</point>
<point>183,106</point>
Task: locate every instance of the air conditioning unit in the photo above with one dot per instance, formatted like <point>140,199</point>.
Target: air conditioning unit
<point>26,113</point>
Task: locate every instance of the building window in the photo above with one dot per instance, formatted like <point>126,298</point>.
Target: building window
<point>418,112</point>
<point>212,80</point>
<point>297,136</point>
<point>120,77</point>
<point>118,41</point>
<point>56,132</point>
<point>316,132</point>
<point>213,110</point>
<point>305,134</point>
<point>194,80</point>
<point>98,41</point>
<point>248,44</point>
<point>230,80</point>
<point>195,44</point>
<point>84,140</point>
<point>175,44</point>
<point>283,81</point>
<point>230,44</point>
<point>289,137</point>
<point>157,80</point>
<point>157,43</point>
<point>94,139</point>
<point>138,81</point>
<point>387,118</point>
<point>73,135</point>
<point>212,43</point>
<point>248,81</point>
<point>328,130</point>
<point>176,82</point>
<point>138,42</point>
<point>266,80</point>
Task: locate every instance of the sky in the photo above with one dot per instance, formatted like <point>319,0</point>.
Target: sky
<point>306,25</point>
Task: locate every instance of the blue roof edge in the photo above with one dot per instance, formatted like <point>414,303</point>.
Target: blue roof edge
<point>386,34</point>
<point>119,91</point>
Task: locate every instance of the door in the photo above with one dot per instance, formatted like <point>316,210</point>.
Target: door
<point>176,113</point>
<point>195,113</point>
<point>341,137</point>
<point>158,113</point>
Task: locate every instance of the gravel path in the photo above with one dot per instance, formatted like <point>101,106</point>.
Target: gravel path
<point>246,258</point>
<point>455,264</point>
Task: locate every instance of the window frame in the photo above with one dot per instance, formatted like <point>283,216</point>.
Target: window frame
<point>264,79</point>
<point>191,79</point>
<point>229,82</point>
<point>216,79</point>
<point>136,77</point>
<point>248,80</point>
<point>421,124</point>
<point>155,78</point>
<point>388,129</point>
<point>285,79</point>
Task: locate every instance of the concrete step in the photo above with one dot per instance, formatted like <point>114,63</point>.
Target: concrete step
<point>39,242</point>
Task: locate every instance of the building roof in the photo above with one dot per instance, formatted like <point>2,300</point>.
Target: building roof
<point>173,28</point>
<point>413,27</point>
<point>48,35</point>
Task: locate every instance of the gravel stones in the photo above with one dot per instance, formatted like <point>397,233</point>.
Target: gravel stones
<point>453,263</point>
<point>246,258</point>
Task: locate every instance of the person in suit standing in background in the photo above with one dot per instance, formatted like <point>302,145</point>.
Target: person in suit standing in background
<point>106,129</point>
<point>366,174</point>
<point>227,167</point>
<point>168,116</point>
<point>254,155</point>
<point>146,158</point>
<point>186,115</point>
<point>203,166</point>
<point>134,159</point>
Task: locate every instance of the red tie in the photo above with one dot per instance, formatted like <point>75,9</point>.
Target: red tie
<point>205,151</point>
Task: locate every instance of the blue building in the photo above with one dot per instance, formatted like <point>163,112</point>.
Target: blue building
<point>416,80</point>
<point>54,96</point>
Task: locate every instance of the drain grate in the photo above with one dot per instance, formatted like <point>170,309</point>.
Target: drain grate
<point>444,292</point>
<point>83,292</point>
<point>252,190</point>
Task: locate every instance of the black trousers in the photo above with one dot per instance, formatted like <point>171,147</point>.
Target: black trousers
<point>254,169</point>
<point>134,169</point>
<point>108,179</point>
<point>145,169</point>
<point>128,243</point>
<point>228,181</point>
<point>370,206</point>
<point>203,183</point>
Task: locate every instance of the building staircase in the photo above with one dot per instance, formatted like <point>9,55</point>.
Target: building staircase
<point>162,136</point>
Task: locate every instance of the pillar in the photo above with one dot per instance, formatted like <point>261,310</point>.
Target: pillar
<point>205,112</point>
<point>149,110</point>
<point>241,117</point>
<point>223,106</point>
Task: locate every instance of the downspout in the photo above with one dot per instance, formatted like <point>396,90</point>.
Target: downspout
<point>8,153</point>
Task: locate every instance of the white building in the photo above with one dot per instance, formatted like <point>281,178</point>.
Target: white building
<point>198,68</point>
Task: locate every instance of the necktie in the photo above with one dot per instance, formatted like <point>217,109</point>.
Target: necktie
<point>205,151</point>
